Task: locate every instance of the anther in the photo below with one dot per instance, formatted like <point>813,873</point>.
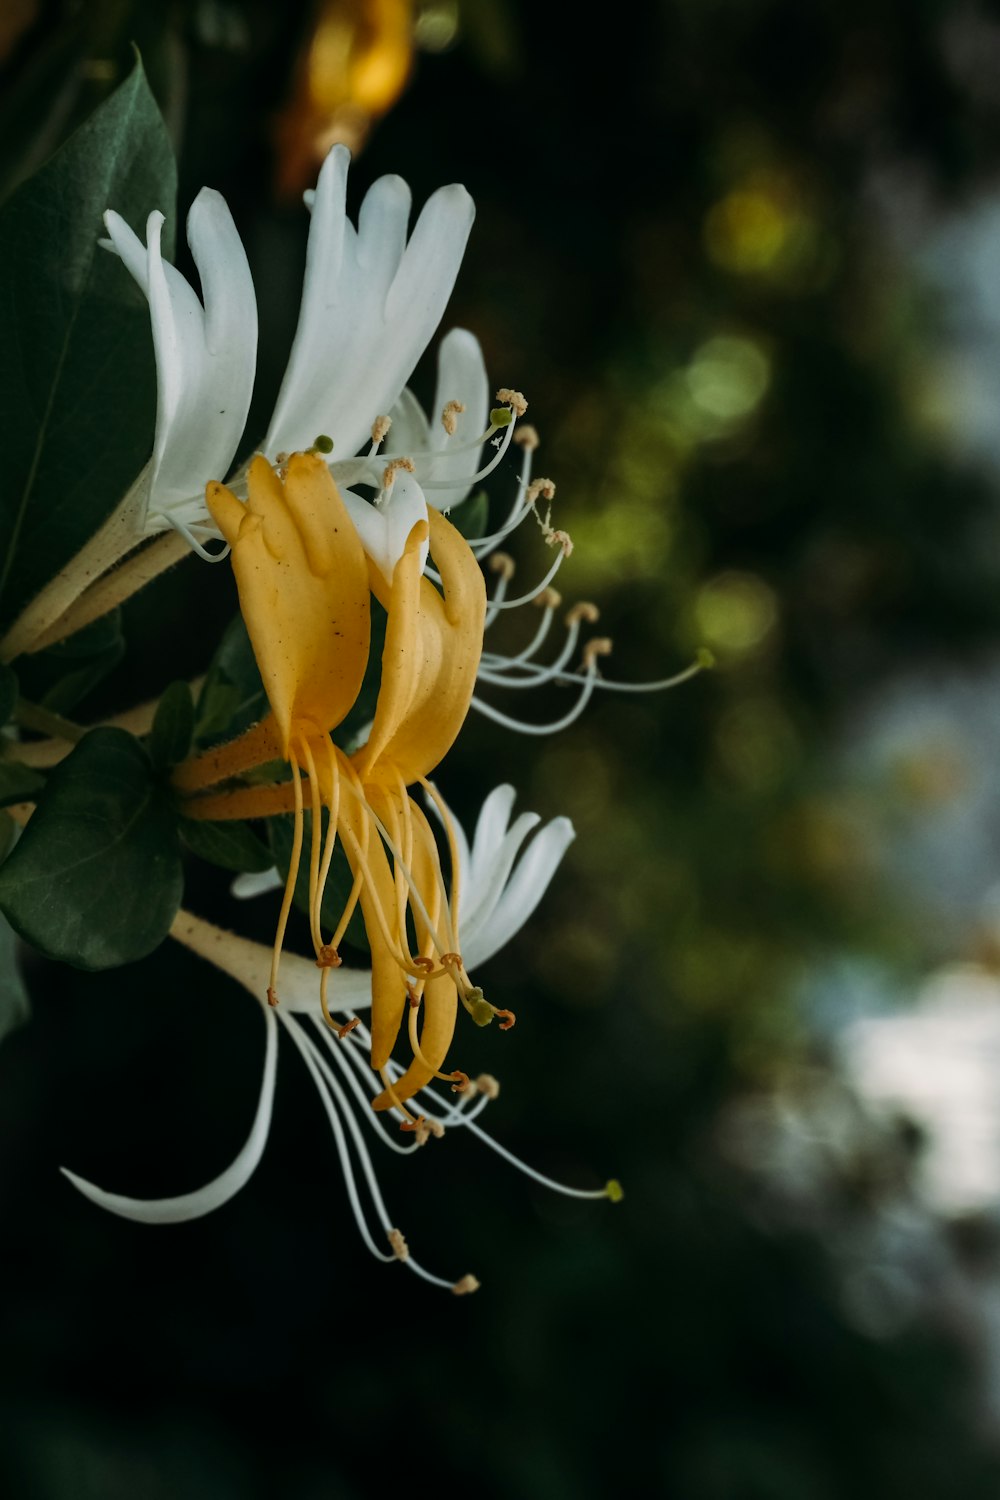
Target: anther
<point>502,563</point>
<point>599,646</point>
<point>451,960</point>
<point>452,411</point>
<point>400,1248</point>
<point>272,995</point>
<point>409,1125</point>
<point>380,427</point>
<point>583,611</point>
<point>392,468</point>
<point>465,1285</point>
<point>509,1019</point>
<point>478,1006</point>
<point>425,964</point>
<point>488,1085</point>
<point>514,399</point>
<point>412,996</point>
<point>348,1027</point>
<point>544,487</point>
<point>561,539</point>
<point>462,1082</point>
<point>613,1191</point>
<point>328,957</point>
<point>527,437</point>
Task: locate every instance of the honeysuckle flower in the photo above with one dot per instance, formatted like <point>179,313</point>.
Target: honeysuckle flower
<point>451,441</point>
<point>501,884</point>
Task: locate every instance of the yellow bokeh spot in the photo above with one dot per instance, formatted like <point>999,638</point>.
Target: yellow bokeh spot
<point>728,377</point>
<point>735,612</point>
<point>746,231</point>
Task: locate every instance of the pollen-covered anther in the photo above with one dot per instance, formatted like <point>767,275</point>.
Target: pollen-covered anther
<point>272,995</point>
<point>380,428</point>
<point>502,563</point>
<point>451,960</point>
<point>400,1248</point>
<point>526,436</point>
<point>583,611</point>
<point>549,598</point>
<point>411,1124</point>
<point>426,965</point>
<point>412,996</point>
<point>560,539</point>
<point>462,1082</point>
<point>426,1129</point>
<point>506,1018</point>
<point>348,1027</point>
<point>465,1285</point>
<point>599,646</point>
<point>449,417</point>
<point>488,1085</point>
<point>328,957</point>
<point>393,468</point>
<point>544,487</point>
<point>514,399</point>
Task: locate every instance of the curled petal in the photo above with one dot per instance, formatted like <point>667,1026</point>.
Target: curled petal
<point>385,529</point>
<point>215,1193</point>
<point>525,889</point>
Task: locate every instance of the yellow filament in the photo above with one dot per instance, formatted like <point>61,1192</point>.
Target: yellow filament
<point>334,810</point>
<point>315,890</point>
<point>383,1073</point>
<point>456,866</point>
<point>293,873</point>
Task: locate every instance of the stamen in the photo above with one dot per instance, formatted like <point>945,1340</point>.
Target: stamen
<point>465,1285</point>
<point>513,399</point>
<point>380,428</point>
<point>527,436</point>
<point>584,610</point>
<point>395,466</point>
<point>509,1019</point>
<point>400,1248</point>
<point>600,645</point>
<point>449,417</point>
<point>544,487</point>
<point>293,873</point>
<point>489,1086</point>
<point>503,563</point>
<point>561,539</point>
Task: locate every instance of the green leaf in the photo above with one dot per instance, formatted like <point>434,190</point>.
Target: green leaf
<point>173,727</point>
<point>77,383</point>
<point>10,691</point>
<point>18,783</point>
<point>233,845</point>
<point>472,516</point>
<point>232,696</point>
<point>338,885</point>
<point>15,1007</point>
<point>95,879</point>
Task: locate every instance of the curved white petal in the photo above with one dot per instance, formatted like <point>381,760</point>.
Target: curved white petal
<point>215,1193</point>
<point>527,886</point>
<point>461,377</point>
<point>369,307</point>
<point>205,355</point>
<point>491,825</point>
<point>256,883</point>
<point>409,432</point>
<point>385,528</point>
<point>480,898</point>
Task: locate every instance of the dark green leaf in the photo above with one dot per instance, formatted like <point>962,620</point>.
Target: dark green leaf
<point>232,696</point>
<point>14,1005</point>
<point>173,726</point>
<point>77,384</point>
<point>233,845</point>
<point>9,693</point>
<point>18,783</point>
<point>338,885</point>
<point>472,517</point>
<point>95,879</point>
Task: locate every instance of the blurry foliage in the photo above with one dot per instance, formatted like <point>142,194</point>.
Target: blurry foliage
<point>675,256</point>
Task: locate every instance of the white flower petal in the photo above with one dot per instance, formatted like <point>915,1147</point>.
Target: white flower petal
<point>369,308</point>
<point>409,432</point>
<point>384,529</point>
<point>528,885</point>
<point>205,356</point>
<point>491,825</point>
<point>479,899</point>
<point>461,377</point>
<point>215,1193</point>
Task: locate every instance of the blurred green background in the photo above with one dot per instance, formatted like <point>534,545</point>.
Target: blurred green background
<point>743,256</point>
